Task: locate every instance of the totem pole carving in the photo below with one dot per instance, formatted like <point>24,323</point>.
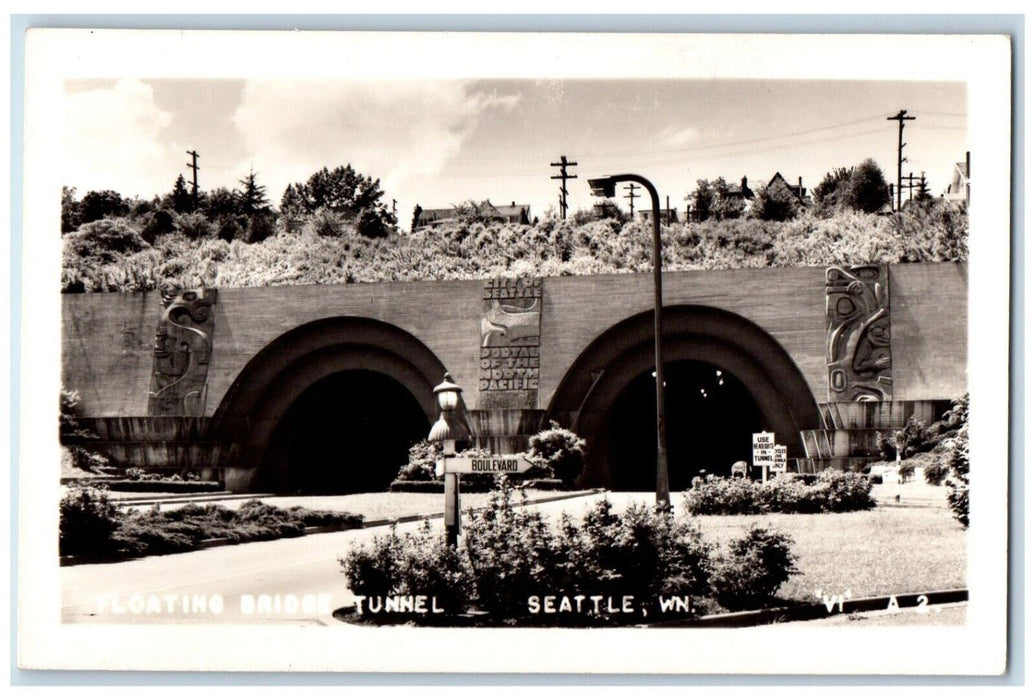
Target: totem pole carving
<point>858,334</point>
<point>182,349</point>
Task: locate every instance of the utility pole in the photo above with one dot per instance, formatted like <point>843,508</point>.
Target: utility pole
<point>194,166</point>
<point>901,118</point>
<point>631,196</point>
<point>564,177</point>
<point>910,186</point>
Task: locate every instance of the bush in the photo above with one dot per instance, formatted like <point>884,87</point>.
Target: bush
<point>832,492</point>
<point>88,522</point>
<point>717,496</point>
<point>104,241</point>
<point>421,463</point>
<point>560,452</point>
<point>511,553</point>
<point>194,226</point>
<point>957,461</point>
<point>327,223</point>
<point>412,564</point>
<point>754,568</point>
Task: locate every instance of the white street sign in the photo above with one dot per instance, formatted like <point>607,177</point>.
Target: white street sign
<point>762,448</point>
<point>780,458</point>
<point>494,464</point>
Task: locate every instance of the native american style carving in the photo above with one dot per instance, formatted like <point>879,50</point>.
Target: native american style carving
<point>182,349</point>
<point>858,334</point>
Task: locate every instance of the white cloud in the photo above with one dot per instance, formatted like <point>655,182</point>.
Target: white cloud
<point>113,139</point>
<point>674,137</point>
<point>394,131</point>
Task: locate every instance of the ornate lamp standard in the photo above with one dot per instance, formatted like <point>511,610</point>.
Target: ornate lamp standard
<point>605,187</point>
<point>449,428</point>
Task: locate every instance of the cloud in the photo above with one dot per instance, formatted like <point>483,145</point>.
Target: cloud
<point>673,137</point>
<point>114,139</point>
<point>393,131</point>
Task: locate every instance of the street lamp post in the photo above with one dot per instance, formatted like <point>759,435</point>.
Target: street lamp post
<point>448,429</point>
<point>605,187</point>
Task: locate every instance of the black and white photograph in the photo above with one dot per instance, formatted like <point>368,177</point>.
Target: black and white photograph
<point>629,353</point>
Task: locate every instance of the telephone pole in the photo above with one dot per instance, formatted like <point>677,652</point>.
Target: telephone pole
<point>901,118</point>
<point>910,185</point>
<point>631,196</point>
<point>194,166</point>
<point>564,177</point>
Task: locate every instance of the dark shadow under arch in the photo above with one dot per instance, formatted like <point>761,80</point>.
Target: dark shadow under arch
<point>279,375</point>
<point>595,381</point>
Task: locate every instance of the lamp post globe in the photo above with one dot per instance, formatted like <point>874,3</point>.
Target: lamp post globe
<point>449,428</point>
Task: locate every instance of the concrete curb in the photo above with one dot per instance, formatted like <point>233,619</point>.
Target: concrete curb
<point>181,500</point>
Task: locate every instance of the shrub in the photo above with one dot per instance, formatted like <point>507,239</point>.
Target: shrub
<point>421,463</point>
<point>230,228</point>
<point>911,438</point>
<point>87,524</point>
<point>326,222</point>
<point>957,461</point>
<point>158,223</point>
<point>833,491</point>
<point>935,472</point>
<point>195,226</point>
<point>511,553</point>
<point>104,241</point>
<point>559,451</point>
<point>844,491</point>
<point>717,496</point>
<point>412,564</point>
<point>261,226</point>
<point>754,568</point>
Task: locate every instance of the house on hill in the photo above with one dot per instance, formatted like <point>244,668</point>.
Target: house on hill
<point>484,211</point>
<point>959,187</point>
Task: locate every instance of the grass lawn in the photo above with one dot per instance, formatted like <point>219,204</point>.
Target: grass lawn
<point>880,551</point>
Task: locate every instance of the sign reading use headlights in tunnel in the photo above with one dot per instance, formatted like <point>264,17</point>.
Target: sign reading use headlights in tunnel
<point>494,464</point>
<point>763,446</point>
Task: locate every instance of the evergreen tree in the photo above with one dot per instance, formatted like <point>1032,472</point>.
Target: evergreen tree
<point>253,195</point>
<point>180,199</point>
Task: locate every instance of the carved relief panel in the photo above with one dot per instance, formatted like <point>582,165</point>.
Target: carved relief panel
<point>182,350</point>
<point>858,334</point>
<point>509,359</point>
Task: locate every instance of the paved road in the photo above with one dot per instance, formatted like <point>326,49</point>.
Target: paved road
<point>301,579</point>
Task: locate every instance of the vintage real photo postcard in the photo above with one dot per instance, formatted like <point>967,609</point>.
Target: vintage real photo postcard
<point>514,352</point>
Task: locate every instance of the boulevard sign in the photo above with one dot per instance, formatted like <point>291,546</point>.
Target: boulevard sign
<point>493,464</point>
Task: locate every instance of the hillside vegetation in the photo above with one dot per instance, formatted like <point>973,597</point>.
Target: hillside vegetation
<point>113,254</point>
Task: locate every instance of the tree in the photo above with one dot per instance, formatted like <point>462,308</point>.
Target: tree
<point>867,189</point>
<point>180,199</point>
<point>253,195</point>
<point>347,193</point>
<point>101,204</point>
<point>69,210</point>
<point>831,194</point>
<point>923,195</point>
<point>774,204</point>
<point>417,209</point>
<point>221,203</point>
<point>701,200</point>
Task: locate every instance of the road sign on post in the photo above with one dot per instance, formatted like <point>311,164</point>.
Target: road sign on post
<point>762,448</point>
<point>779,458</point>
<point>493,464</point>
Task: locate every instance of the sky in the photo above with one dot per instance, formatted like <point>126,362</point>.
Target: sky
<point>440,143</point>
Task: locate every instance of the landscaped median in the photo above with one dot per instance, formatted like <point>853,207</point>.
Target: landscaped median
<point>617,562</point>
<point>93,528</point>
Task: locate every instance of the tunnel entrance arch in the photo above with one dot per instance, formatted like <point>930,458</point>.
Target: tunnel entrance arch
<point>327,408</point>
<point>607,396</point>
